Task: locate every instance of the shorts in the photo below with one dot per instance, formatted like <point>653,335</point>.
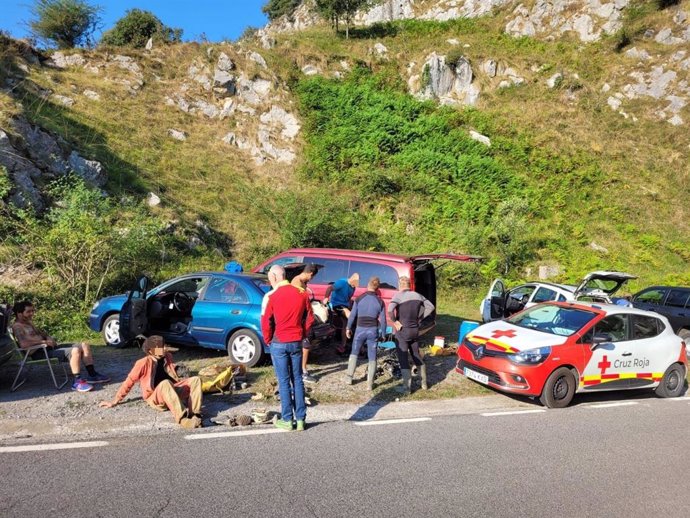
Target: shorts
<point>62,352</point>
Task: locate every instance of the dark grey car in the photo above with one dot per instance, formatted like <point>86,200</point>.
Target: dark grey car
<point>671,301</point>
<point>6,343</point>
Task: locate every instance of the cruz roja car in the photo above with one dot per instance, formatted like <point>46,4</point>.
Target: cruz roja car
<point>555,349</point>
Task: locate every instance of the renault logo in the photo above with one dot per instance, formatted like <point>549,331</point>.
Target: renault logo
<point>479,352</point>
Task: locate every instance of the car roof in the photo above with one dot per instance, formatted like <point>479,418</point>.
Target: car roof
<point>665,288</point>
<point>248,275</point>
<point>609,309</point>
<point>327,252</point>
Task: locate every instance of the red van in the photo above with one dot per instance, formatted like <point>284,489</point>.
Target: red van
<point>336,264</point>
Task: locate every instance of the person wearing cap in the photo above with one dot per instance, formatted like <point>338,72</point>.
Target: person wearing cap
<point>339,294</point>
<point>284,325</point>
<point>300,282</point>
<point>369,313</point>
<point>160,385</point>
<point>406,310</point>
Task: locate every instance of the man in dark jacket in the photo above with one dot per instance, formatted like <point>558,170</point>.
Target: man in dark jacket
<point>369,313</point>
<point>406,310</point>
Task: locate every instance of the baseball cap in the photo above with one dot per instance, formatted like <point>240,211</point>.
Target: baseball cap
<point>155,342</point>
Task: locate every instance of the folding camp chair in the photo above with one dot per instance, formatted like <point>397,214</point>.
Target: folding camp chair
<point>26,359</point>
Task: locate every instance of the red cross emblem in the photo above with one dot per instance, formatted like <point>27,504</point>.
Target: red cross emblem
<point>509,333</point>
<point>604,364</point>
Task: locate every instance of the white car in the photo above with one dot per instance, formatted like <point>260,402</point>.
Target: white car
<point>597,286</point>
<point>556,349</point>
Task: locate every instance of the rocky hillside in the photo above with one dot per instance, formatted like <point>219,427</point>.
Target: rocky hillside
<point>535,133</point>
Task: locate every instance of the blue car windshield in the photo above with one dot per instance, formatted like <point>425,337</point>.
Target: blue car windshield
<point>555,320</point>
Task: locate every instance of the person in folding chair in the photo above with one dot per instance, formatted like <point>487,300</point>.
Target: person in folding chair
<point>28,335</point>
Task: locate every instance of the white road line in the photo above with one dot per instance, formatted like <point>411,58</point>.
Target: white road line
<point>392,421</point>
<point>513,412</point>
<point>686,399</point>
<point>238,433</point>
<point>609,405</point>
<point>55,446</point>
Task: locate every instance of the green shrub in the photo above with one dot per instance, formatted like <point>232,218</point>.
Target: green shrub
<point>67,23</point>
<point>87,241</point>
<point>136,27</point>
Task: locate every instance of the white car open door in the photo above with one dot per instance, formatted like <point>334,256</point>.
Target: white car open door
<point>493,305</point>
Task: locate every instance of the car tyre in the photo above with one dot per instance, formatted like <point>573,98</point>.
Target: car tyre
<point>111,331</point>
<point>673,382</point>
<point>685,335</point>
<point>559,389</point>
<point>244,347</point>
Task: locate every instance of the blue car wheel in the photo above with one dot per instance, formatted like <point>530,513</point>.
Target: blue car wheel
<point>111,330</point>
<point>245,348</point>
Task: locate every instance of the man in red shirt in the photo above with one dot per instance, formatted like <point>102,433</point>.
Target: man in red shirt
<point>284,324</point>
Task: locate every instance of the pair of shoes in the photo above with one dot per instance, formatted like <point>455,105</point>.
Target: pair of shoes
<point>80,385</point>
<point>283,425</point>
<point>189,423</point>
<point>97,379</point>
<point>308,378</point>
<point>301,425</point>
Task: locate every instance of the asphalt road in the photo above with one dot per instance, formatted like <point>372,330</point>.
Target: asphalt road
<point>587,460</point>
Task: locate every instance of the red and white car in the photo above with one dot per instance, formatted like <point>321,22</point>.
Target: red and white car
<point>555,349</point>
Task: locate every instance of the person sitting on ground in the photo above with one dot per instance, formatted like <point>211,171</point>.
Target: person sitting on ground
<point>339,294</point>
<point>160,385</point>
<point>300,282</point>
<point>369,312</point>
<point>28,335</point>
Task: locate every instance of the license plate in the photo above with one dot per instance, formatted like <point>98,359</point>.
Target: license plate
<point>473,375</point>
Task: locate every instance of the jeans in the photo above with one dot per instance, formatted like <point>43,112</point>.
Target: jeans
<point>368,335</point>
<point>287,362</point>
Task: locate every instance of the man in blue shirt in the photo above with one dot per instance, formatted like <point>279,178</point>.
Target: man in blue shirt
<point>369,312</point>
<point>339,294</point>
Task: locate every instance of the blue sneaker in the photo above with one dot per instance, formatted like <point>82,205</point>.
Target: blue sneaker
<point>81,386</point>
<point>97,379</point>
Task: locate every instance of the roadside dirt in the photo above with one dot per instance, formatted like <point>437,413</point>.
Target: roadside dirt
<point>37,409</point>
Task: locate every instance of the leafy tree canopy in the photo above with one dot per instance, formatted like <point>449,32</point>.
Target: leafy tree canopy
<point>276,8</point>
<point>136,27</point>
<point>66,23</point>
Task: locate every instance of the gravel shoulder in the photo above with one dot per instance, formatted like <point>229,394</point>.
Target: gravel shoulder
<point>36,411</point>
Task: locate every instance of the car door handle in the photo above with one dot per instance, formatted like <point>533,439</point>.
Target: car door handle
<point>626,354</point>
<point>235,312</point>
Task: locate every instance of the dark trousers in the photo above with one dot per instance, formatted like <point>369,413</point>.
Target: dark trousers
<point>406,341</point>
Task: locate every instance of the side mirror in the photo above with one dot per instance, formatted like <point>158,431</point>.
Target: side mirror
<point>600,338</point>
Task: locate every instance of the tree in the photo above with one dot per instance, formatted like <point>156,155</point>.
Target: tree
<point>67,23</point>
<point>276,8</point>
<point>335,10</point>
<point>136,27</point>
<point>509,231</point>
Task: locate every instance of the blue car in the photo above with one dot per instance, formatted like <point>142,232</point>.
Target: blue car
<point>217,310</point>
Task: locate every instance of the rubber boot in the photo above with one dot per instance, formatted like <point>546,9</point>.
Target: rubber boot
<point>422,370</point>
<point>371,374</point>
<point>405,386</point>
<point>351,366</point>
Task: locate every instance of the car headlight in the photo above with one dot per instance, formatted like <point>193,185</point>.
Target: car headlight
<point>530,356</point>
<point>95,305</point>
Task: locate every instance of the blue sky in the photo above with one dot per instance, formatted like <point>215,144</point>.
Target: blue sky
<point>217,19</point>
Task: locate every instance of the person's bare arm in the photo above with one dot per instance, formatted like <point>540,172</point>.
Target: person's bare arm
<point>26,338</point>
